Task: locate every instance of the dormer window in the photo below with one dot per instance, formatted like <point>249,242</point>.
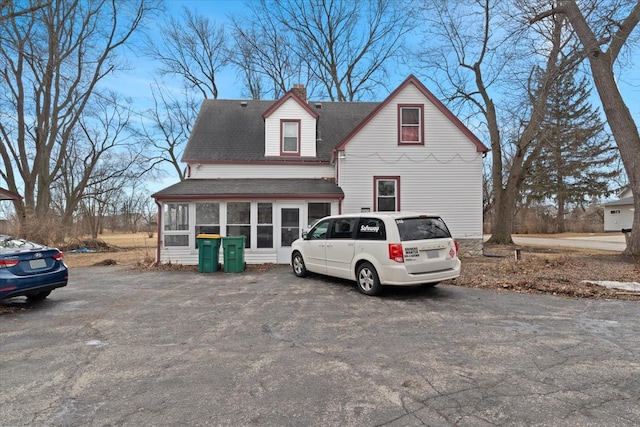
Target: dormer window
<point>410,125</point>
<point>290,137</point>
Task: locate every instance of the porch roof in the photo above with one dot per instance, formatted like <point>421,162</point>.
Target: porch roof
<point>251,188</point>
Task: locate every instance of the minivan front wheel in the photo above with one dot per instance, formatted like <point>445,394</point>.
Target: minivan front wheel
<point>297,263</point>
<point>367,279</point>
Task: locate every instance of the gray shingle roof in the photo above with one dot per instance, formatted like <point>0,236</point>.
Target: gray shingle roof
<point>248,187</point>
<point>226,130</point>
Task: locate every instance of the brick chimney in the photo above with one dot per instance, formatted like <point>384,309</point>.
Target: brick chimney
<point>300,91</point>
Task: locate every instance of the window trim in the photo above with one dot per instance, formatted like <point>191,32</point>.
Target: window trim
<point>282,124</point>
<point>420,126</point>
<point>375,191</point>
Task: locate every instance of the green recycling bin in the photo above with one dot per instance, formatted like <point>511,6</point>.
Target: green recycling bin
<point>208,252</point>
<point>233,253</point>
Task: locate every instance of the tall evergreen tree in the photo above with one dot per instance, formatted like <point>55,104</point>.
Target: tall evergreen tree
<point>578,157</point>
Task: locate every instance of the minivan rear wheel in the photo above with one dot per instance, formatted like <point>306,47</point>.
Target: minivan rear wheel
<point>367,279</point>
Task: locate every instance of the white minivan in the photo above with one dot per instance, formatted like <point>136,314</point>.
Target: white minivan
<point>377,249</point>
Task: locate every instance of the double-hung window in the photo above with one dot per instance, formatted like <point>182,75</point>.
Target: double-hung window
<point>290,139</point>
<point>410,124</point>
<point>387,194</point>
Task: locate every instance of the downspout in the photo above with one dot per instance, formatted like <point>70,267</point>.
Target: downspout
<point>335,159</point>
<point>158,231</point>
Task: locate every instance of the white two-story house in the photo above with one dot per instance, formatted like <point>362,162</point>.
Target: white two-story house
<point>268,169</point>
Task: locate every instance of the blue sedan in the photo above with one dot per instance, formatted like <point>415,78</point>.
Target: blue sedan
<point>30,269</point>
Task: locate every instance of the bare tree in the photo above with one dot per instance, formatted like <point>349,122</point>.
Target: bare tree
<point>193,48</point>
<point>167,125</point>
<point>603,31</point>
<point>496,68</point>
<point>53,60</point>
<point>8,11</point>
<point>264,53</point>
<point>343,46</point>
<point>103,152</point>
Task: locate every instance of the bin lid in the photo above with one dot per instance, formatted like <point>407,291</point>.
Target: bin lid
<point>207,236</point>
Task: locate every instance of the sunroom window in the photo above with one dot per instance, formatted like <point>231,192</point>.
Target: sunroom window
<point>207,218</point>
<point>239,220</point>
<point>176,224</point>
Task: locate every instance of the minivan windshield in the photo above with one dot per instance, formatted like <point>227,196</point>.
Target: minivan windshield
<point>422,228</point>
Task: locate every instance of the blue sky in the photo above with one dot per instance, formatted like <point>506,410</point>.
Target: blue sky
<point>136,82</point>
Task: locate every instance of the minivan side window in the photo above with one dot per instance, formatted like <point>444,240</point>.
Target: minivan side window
<point>422,228</point>
<point>319,231</point>
<point>343,228</point>
<point>371,229</point>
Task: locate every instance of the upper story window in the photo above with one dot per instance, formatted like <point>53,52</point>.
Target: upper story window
<point>290,137</point>
<point>410,125</point>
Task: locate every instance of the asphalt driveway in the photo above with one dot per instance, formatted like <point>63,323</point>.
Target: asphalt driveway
<point>127,348</point>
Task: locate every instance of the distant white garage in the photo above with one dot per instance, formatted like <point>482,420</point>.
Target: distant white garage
<point>619,213</point>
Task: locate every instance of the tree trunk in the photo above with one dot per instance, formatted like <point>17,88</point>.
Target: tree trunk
<point>626,135</point>
<point>560,219</point>
<point>561,201</point>
<point>622,125</point>
<point>502,219</point>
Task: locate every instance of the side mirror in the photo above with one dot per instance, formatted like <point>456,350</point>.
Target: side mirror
<point>305,233</point>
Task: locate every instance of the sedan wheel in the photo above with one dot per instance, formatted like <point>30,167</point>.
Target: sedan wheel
<point>39,296</point>
<point>367,279</point>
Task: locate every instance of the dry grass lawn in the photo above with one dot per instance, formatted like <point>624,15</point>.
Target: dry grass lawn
<point>123,248</point>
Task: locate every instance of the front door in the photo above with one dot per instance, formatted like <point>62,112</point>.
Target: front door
<point>289,230</point>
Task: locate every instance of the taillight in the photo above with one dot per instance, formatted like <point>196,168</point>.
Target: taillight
<point>6,263</point>
<point>395,252</point>
<point>58,256</point>
<point>455,242</point>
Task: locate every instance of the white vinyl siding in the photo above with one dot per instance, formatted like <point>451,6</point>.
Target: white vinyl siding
<point>222,171</point>
<point>290,110</point>
<point>443,176</point>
